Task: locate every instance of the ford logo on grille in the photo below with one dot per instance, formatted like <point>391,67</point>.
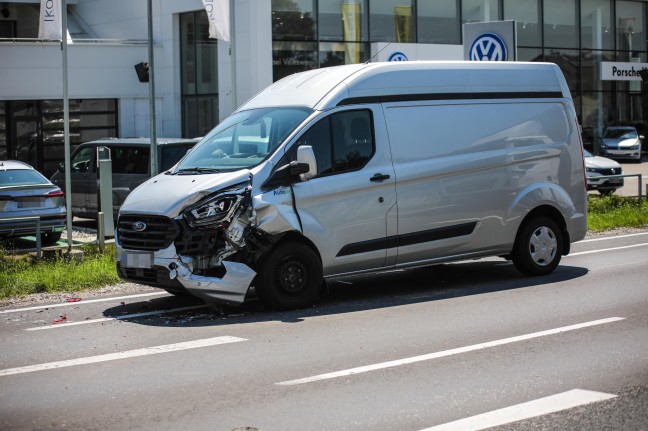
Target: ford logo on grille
<point>139,226</point>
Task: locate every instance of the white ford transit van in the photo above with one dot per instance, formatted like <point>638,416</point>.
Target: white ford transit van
<point>363,168</point>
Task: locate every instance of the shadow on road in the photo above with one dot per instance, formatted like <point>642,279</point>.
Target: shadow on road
<point>392,289</point>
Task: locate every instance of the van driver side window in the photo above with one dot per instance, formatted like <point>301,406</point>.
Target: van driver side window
<point>341,142</point>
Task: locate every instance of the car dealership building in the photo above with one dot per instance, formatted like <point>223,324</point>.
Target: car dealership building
<point>600,45</point>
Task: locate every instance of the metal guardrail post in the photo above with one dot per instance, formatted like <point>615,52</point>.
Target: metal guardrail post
<point>101,232</point>
<point>640,182</point>
<point>39,250</point>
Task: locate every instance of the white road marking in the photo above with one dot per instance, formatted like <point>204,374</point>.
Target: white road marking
<point>84,301</point>
<point>207,342</point>
<point>531,409</point>
<point>607,238</point>
<point>124,317</point>
<point>442,354</point>
<point>606,249</point>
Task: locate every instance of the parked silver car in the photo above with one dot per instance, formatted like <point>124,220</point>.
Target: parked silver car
<point>621,142</point>
<point>24,192</point>
<point>598,167</point>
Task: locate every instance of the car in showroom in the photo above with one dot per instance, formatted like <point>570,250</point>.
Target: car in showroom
<point>621,142</point>
<point>597,169</point>
<point>25,192</point>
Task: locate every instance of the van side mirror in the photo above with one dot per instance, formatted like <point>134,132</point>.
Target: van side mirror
<point>306,156</point>
<point>61,167</point>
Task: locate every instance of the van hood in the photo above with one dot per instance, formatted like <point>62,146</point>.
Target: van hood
<point>167,195</point>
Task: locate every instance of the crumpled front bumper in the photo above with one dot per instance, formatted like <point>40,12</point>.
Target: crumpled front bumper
<point>230,289</point>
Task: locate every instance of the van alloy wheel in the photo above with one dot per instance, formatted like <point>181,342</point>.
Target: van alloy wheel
<point>538,247</point>
<point>290,277</point>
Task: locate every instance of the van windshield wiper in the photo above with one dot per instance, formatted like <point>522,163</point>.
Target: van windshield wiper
<point>197,170</point>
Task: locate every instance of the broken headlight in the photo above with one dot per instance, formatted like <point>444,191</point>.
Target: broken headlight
<point>212,210</point>
<point>216,209</point>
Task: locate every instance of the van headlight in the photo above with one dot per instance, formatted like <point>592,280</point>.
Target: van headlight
<point>211,210</point>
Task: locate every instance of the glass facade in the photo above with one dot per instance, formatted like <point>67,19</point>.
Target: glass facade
<point>578,35</point>
<point>199,75</point>
<point>32,130</point>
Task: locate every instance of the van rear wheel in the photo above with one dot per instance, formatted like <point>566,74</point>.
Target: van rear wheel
<point>538,247</point>
<point>290,277</point>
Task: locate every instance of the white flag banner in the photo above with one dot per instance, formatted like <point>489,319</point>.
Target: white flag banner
<point>219,21</point>
<point>50,20</point>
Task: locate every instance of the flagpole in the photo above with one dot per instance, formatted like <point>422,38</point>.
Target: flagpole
<point>233,53</point>
<point>154,161</point>
<point>66,127</point>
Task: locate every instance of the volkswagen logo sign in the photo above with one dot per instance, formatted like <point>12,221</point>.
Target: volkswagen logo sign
<point>397,56</point>
<point>139,226</point>
<point>488,47</point>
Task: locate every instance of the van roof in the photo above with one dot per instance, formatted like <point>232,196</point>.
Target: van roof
<point>328,87</point>
<point>140,141</point>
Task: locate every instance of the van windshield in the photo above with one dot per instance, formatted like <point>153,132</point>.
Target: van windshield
<point>242,140</point>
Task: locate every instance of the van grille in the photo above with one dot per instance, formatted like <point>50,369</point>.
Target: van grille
<point>159,232</point>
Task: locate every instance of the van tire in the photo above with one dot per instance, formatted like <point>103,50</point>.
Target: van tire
<point>290,277</point>
<point>538,246</point>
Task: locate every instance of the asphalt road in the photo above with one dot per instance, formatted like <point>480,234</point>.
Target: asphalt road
<point>473,342</point>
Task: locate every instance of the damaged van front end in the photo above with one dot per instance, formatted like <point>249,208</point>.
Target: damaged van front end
<point>210,249</point>
<point>202,227</point>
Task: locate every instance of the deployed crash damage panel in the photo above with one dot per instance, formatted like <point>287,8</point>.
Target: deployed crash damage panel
<point>211,246</point>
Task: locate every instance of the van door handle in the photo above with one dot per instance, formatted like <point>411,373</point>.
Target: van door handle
<point>379,177</point>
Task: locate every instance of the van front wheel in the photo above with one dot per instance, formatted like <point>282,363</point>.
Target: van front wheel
<point>538,247</point>
<point>290,277</point>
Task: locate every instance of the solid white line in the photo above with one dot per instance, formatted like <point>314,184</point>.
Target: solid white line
<point>207,342</point>
<point>607,238</point>
<point>445,353</point>
<point>531,409</point>
<point>606,249</point>
<point>107,319</point>
<point>89,301</point>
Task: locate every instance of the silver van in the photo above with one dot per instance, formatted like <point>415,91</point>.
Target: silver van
<point>364,168</point>
<point>131,166</point>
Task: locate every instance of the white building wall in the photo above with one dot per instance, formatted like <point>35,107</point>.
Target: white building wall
<point>33,71</point>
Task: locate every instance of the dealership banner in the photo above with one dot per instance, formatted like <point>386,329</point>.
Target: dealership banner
<point>614,71</point>
<point>219,20</point>
<point>50,20</point>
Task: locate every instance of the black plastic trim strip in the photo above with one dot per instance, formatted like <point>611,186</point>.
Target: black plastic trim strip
<point>450,96</point>
<point>408,239</point>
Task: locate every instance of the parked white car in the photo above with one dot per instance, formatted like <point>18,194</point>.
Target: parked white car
<point>621,142</point>
<point>597,168</point>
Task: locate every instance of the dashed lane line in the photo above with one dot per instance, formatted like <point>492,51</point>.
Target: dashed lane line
<point>124,317</point>
<point>88,301</point>
<point>580,253</point>
<point>436,355</point>
<point>207,342</point>
<point>528,410</point>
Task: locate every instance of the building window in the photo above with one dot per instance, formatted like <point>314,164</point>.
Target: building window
<point>293,20</point>
<point>479,10</point>
<point>438,22</point>
<point>34,129</point>
<point>199,75</point>
<point>527,14</point>
<point>631,36</point>
<point>392,21</point>
<point>560,24</point>
<point>597,31</point>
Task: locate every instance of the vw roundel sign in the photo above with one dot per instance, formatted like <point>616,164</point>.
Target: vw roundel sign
<point>488,47</point>
<point>398,56</point>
